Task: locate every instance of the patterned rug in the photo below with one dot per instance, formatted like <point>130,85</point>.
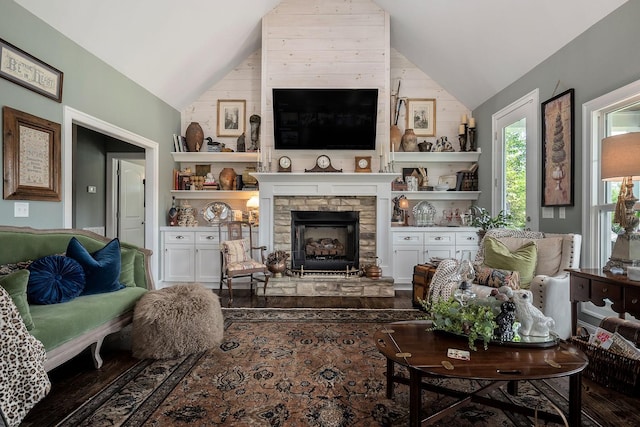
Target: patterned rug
<point>289,367</point>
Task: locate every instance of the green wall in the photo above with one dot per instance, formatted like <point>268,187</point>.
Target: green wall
<point>602,59</point>
<point>90,86</point>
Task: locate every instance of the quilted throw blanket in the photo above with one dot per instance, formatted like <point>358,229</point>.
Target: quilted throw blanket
<point>23,379</point>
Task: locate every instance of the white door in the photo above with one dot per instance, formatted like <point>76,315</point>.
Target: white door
<point>131,202</point>
<point>515,162</point>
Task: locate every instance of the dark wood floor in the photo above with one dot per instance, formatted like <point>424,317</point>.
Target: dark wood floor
<point>76,381</point>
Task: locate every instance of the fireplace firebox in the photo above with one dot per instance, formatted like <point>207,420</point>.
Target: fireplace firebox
<point>326,241</point>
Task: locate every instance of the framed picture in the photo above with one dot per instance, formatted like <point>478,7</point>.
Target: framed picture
<point>557,150</point>
<point>421,116</point>
<point>32,160</point>
<point>28,71</point>
<point>231,117</point>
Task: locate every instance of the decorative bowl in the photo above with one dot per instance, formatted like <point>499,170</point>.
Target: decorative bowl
<point>441,187</point>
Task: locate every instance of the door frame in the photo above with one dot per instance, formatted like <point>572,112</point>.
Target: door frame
<point>527,106</point>
<point>72,116</point>
<point>113,159</point>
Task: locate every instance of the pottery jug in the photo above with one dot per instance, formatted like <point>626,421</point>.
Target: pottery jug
<point>395,136</point>
<point>227,179</point>
<point>194,136</point>
<point>409,141</point>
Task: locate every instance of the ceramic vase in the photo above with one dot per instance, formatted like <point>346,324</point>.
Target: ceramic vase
<point>194,136</point>
<point>409,141</point>
<point>395,136</point>
<point>227,179</point>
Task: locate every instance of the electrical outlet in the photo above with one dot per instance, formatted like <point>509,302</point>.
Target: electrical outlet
<point>21,210</point>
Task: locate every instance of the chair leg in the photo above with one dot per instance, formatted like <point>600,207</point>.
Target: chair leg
<point>230,291</point>
<point>264,287</point>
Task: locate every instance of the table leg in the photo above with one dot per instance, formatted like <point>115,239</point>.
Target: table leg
<point>574,318</point>
<point>575,400</point>
<point>415,397</point>
<point>390,378</point>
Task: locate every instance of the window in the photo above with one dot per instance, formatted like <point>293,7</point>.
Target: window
<point>612,114</point>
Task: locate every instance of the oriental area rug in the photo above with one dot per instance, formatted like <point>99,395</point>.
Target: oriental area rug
<point>290,367</point>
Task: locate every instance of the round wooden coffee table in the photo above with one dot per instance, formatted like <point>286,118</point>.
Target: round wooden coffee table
<point>422,351</point>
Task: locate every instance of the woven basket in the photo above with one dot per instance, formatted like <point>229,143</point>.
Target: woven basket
<point>612,370</point>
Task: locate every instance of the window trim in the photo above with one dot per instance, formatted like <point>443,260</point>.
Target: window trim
<point>593,128</point>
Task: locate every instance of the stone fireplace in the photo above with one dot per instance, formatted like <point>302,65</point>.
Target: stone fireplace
<point>368,194</point>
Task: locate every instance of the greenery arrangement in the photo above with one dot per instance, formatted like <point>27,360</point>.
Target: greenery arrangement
<point>483,219</point>
<point>475,320</point>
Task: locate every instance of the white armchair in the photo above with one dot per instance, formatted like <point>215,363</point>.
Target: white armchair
<point>550,284</point>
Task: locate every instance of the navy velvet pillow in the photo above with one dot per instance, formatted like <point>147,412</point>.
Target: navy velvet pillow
<point>54,279</point>
<point>101,268</point>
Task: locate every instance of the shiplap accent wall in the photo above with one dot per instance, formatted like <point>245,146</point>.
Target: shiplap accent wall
<point>326,44</point>
<point>321,43</point>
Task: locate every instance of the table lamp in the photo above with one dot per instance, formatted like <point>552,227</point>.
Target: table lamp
<point>403,204</point>
<point>619,162</point>
<point>252,206</point>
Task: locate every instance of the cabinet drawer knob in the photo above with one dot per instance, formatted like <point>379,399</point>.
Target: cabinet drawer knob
<point>407,238</point>
<point>471,238</point>
<point>604,290</point>
<point>634,301</point>
<point>179,237</point>
<point>210,237</point>
<point>438,238</point>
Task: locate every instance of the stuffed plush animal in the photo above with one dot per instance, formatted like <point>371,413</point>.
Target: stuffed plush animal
<point>533,321</point>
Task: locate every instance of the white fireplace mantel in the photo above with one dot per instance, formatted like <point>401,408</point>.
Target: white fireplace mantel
<point>329,184</point>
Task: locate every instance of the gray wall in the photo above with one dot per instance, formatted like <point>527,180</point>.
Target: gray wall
<point>90,86</point>
<point>600,60</point>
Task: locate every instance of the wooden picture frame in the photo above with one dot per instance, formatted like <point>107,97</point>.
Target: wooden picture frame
<point>558,136</point>
<point>231,117</point>
<point>421,116</point>
<point>28,71</point>
<point>31,157</point>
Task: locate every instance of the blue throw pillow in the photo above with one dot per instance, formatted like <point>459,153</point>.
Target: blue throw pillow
<point>101,268</point>
<point>54,279</point>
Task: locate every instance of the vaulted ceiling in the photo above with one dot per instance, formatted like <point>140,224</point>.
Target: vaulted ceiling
<point>177,49</point>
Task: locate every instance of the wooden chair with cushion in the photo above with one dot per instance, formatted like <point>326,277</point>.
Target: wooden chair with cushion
<point>238,256</point>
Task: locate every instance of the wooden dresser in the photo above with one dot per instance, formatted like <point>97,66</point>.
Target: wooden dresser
<point>595,285</point>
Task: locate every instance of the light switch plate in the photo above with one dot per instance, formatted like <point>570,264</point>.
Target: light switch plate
<point>21,210</point>
<point>91,189</point>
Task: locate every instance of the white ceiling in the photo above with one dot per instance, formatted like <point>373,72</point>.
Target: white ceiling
<point>177,49</point>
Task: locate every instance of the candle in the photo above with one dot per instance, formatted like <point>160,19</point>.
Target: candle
<point>464,119</point>
<point>461,130</point>
<point>472,122</point>
<point>380,152</point>
<point>269,155</point>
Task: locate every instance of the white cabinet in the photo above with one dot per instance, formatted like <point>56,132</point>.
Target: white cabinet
<point>417,245</point>
<point>192,254</point>
<point>177,256</point>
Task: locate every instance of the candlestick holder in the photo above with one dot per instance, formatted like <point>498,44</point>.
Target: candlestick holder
<point>472,139</point>
<point>462,139</point>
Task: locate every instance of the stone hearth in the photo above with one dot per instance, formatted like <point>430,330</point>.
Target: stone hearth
<point>314,286</point>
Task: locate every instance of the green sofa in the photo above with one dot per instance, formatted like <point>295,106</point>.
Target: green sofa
<point>66,329</point>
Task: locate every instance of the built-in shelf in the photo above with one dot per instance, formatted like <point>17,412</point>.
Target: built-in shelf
<point>202,157</point>
<point>214,194</point>
<point>437,157</point>
<point>438,195</point>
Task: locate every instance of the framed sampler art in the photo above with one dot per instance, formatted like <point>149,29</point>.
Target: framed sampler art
<point>231,117</point>
<point>31,157</point>
<point>421,116</point>
<point>558,150</point>
<point>28,71</point>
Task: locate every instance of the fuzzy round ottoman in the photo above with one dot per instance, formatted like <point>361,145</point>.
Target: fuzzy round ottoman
<point>176,321</point>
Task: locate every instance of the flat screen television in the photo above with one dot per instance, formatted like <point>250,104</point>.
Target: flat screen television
<point>325,119</point>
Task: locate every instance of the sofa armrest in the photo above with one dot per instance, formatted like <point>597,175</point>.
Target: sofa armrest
<point>551,296</point>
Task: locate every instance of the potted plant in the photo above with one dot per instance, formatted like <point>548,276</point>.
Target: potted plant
<point>476,321</point>
<point>482,219</point>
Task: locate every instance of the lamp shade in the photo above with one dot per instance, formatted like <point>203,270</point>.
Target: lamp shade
<point>253,202</point>
<point>620,157</point>
<point>403,204</point>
